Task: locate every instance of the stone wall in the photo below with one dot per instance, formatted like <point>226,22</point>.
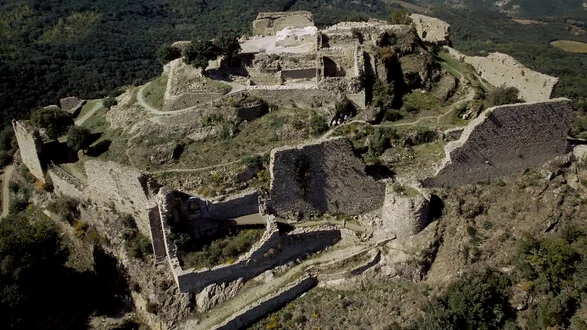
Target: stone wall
<point>405,213</point>
<point>64,184</point>
<point>72,105</point>
<point>432,29</point>
<point>235,206</point>
<point>30,146</point>
<point>241,319</point>
<point>504,140</point>
<point>503,70</point>
<point>268,24</point>
<point>250,111</point>
<point>321,177</point>
<point>301,98</point>
<point>124,188</point>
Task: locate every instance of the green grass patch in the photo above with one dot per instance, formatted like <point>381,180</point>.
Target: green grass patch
<point>88,106</point>
<point>155,92</point>
<point>570,46</point>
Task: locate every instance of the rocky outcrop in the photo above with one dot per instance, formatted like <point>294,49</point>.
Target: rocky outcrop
<point>504,140</point>
<point>217,293</point>
<point>432,29</point>
<point>321,177</point>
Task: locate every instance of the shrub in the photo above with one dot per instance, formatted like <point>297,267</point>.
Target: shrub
<point>109,102</point>
<point>66,208</point>
<point>78,138</point>
<point>318,125</point>
<point>504,95</point>
<point>54,121</point>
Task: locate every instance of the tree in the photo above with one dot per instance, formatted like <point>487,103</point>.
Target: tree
<point>504,95</point>
<point>400,17</point>
<point>54,121</point>
<point>228,45</point>
<point>78,138</point>
<point>109,102</point>
<point>199,52</point>
<point>167,53</point>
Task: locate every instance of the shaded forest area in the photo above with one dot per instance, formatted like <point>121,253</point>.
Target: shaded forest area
<point>58,48</point>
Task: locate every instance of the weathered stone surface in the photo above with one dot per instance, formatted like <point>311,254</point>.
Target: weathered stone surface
<point>30,145</point>
<point>405,214</point>
<point>503,70</point>
<point>506,139</point>
<point>432,29</point>
<point>124,188</point>
<point>268,24</point>
<point>321,177</point>
<point>580,152</point>
<point>215,294</point>
<point>72,105</point>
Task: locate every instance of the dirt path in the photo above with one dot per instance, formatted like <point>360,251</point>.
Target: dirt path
<point>236,88</point>
<point>8,170</point>
<point>90,113</point>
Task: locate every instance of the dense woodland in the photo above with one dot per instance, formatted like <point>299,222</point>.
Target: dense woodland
<point>53,49</point>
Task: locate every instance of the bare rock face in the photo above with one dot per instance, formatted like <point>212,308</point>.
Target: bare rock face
<point>215,294</point>
<point>580,152</point>
<point>406,210</point>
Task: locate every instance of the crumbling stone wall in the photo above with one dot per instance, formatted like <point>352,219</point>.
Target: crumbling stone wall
<point>124,188</point>
<point>302,98</point>
<point>72,105</point>
<point>235,206</point>
<point>243,318</point>
<point>66,185</point>
<point>405,214</point>
<point>432,29</point>
<point>268,24</point>
<point>506,139</point>
<point>30,145</point>
<point>503,70</point>
<point>321,177</point>
<point>294,37</point>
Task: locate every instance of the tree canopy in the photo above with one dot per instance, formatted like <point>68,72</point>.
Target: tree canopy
<point>54,121</point>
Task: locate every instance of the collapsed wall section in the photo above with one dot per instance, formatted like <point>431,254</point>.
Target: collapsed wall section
<point>432,29</point>
<point>30,145</point>
<point>125,189</point>
<point>503,70</point>
<point>269,23</point>
<point>321,177</point>
<point>506,139</point>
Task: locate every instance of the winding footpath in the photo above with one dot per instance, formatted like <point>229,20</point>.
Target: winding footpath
<point>8,170</point>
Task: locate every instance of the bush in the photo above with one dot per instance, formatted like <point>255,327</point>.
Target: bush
<point>109,102</point>
<point>400,17</point>
<point>54,121</point>
<point>167,53</point>
<point>78,138</point>
<point>66,208</point>
<point>318,125</point>
<point>503,95</point>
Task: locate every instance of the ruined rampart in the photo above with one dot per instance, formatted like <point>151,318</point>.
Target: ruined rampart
<point>243,318</point>
<point>125,189</point>
<point>506,139</point>
<point>503,70</point>
<point>30,145</point>
<point>321,177</point>
<point>234,206</point>
<point>432,29</point>
<point>405,211</point>
<point>72,105</point>
<point>64,184</point>
<point>268,24</point>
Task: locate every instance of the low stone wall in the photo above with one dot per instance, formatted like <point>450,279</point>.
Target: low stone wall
<point>432,29</point>
<point>504,140</point>
<point>269,23</point>
<point>321,177</point>
<point>503,70</point>
<point>235,206</point>
<point>64,184</point>
<point>72,105</point>
<point>124,188</point>
<point>251,112</point>
<point>243,318</point>
<point>30,146</point>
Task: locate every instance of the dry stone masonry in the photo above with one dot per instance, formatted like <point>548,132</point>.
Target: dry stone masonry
<point>405,213</point>
<point>321,177</point>
<point>505,140</point>
<point>268,24</point>
<point>432,29</point>
<point>503,70</point>
<point>72,105</point>
<point>30,145</point>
